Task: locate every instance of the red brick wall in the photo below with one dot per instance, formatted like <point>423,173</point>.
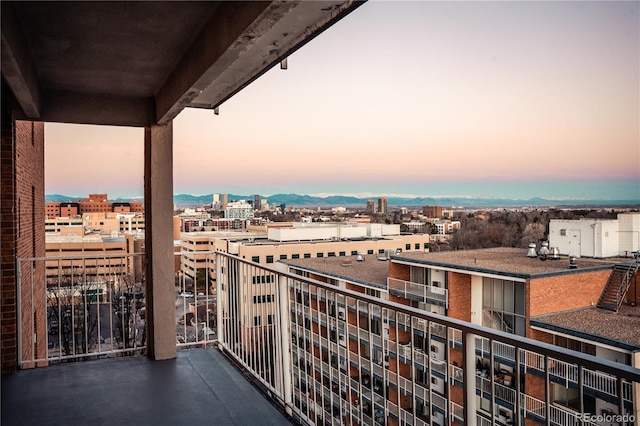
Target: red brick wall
<point>565,292</point>
<point>400,272</point>
<point>23,213</point>
<point>8,227</point>
<point>459,296</point>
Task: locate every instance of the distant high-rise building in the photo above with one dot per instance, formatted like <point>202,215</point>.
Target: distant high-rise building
<point>371,206</point>
<point>215,202</point>
<point>382,205</point>
<point>225,201</point>
<point>432,211</point>
<point>256,202</point>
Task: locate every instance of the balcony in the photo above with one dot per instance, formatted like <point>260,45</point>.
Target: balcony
<point>269,349</point>
<point>199,387</point>
<point>416,291</point>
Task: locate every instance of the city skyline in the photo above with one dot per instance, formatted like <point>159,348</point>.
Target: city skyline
<point>496,99</point>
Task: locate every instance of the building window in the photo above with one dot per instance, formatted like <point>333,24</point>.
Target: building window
<point>354,252</point>
<point>331,254</point>
<point>426,245</point>
<point>503,304</point>
<point>283,257</point>
<point>417,246</point>
<point>375,326</point>
<point>270,319</point>
<point>369,251</point>
<point>563,232</point>
<point>342,253</point>
<point>269,259</point>
<point>256,321</point>
<point>372,292</point>
<point>320,254</point>
<point>263,279</point>
<point>407,246</point>
<point>380,251</point>
<point>295,256</point>
<point>255,259</point>
<point>265,298</point>
<point>307,255</point>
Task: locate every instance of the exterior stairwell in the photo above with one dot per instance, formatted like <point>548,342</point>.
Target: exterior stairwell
<point>617,286</point>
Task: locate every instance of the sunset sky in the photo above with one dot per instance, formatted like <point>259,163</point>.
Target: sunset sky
<point>502,99</point>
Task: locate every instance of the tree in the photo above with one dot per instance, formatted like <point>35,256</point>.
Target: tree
<point>73,298</point>
<point>127,295</point>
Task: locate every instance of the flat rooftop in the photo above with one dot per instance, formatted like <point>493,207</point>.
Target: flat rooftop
<point>607,326</point>
<point>504,260</point>
<point>368,271</point>
<point>199,387</point>
<point>263,241</point>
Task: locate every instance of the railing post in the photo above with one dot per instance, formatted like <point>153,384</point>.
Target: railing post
<point>547,398</point>
<point>516,380</point>
<point>635,388</point>
<point>580,387</point>
<point>469,383</point>
<point>19,312</point>
<point>220,324</point>
<point>283,318</point>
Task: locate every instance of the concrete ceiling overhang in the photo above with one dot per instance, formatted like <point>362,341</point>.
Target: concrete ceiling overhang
<point>141,63</point>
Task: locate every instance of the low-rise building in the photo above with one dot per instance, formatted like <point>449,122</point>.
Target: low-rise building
<point>600,238</point>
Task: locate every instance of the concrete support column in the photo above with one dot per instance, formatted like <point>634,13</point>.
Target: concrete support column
<point>158,203</point>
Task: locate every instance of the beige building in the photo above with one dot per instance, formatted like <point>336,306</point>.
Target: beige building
<point>102,255</point>
<point>105,223</point>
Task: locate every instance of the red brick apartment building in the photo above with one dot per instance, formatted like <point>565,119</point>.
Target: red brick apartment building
<point>552,301</point>
<point>95,203</point>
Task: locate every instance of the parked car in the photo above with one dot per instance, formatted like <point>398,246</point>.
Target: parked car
<point>53,326</point>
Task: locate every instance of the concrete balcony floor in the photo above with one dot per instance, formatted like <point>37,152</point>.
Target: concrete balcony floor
<point>199,387</point>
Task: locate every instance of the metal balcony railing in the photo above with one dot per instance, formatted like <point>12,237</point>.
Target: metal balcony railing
<point>265,346</point>
<point>196,312</point>
<point>80,307</point>
<point>93,306</point>
<point>271,322</point>
<point>411,290</point>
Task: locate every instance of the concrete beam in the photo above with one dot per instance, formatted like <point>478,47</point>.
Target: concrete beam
<point>277,33</point>
<point>83,108</point>
<point>18,69</point>
<point>218,45</point>
<point>158,201</point>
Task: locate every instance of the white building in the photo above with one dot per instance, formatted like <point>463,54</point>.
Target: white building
<point>238,210</point>
<point>332,232</point>
<point>596,237</point>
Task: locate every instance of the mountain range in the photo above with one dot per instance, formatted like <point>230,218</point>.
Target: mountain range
<point>310,201</point>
